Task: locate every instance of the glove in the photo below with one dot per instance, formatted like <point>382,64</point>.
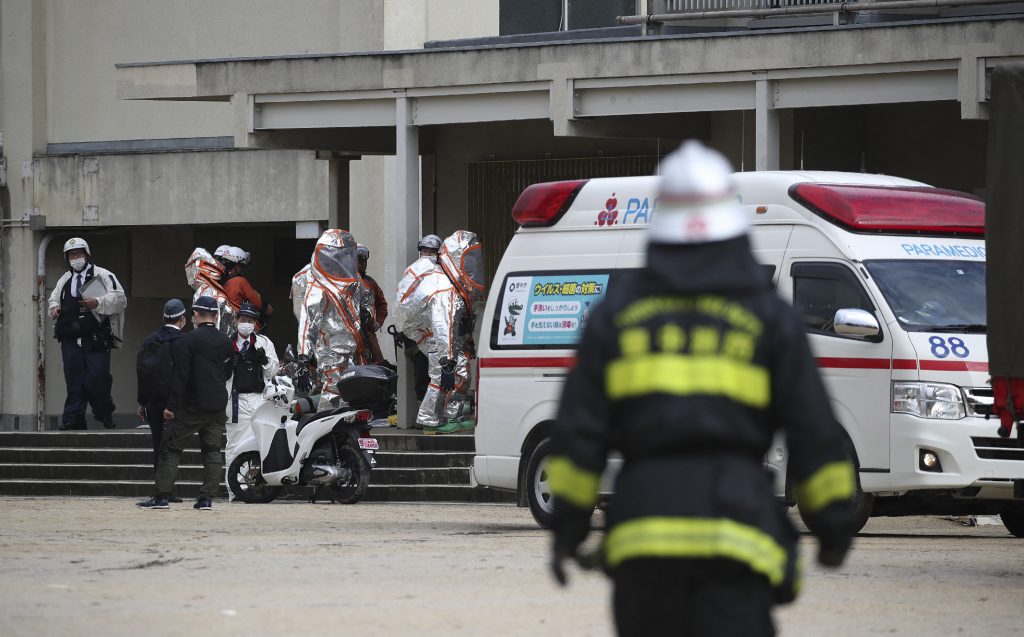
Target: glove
<point>571,526</point>
<point>467,323</point>
<point>447,374</point>
<point>832,549</point>
<point>261,356</point>
<point>470,347</point>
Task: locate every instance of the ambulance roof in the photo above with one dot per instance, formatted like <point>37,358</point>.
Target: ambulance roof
<point>856,202</point>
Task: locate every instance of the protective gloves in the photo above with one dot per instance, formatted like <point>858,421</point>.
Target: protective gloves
<point>571,526</point>
<point>261,356</point>
<point>447,374</point>
<point>832,550</point>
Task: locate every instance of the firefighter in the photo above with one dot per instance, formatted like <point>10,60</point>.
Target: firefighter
<point>688,368</point>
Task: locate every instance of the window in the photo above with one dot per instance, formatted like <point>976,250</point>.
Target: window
<point>820,289</point>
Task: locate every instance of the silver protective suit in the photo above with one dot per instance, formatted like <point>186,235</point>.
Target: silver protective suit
<point>329,316</point>
<point>409,313</point>
<point>438,314</point>
<point>203,274</point>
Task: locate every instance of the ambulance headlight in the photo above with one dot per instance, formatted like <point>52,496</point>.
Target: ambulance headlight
<point>928,400</point>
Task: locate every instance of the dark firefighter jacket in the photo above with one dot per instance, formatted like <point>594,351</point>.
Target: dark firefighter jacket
<point>688,368</point>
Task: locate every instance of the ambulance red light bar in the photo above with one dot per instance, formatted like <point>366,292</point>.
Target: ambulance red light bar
<point>544,204</point>
<point>894,209</point>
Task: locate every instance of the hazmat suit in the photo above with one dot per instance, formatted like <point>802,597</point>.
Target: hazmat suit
<point>204,273</point>
<point>436,310</point>
<point>329,317</point>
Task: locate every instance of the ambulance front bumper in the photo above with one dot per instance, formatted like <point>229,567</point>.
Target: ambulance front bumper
<point>971,457</point>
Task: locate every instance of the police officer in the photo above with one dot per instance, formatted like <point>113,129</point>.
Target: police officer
<point>255,363</point>
<point>88,305</point>
<point>154,371</point>
<point>203,360</point>
<point>688,367</point>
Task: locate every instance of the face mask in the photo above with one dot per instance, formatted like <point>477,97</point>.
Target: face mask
<point>245,329</point>
<point>78,264</point>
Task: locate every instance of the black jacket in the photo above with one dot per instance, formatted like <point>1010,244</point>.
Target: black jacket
<point>688,367</point>
<point>203,359</point>
<point>146,395</point>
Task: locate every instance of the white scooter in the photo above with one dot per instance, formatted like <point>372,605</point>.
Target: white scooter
<point>293,444</point>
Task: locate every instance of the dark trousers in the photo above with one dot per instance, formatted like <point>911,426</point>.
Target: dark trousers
<point>155,418</point>
<point>691,597</point>
<point>420,374</point>
<point>187,422</point>
<point>88,380</point>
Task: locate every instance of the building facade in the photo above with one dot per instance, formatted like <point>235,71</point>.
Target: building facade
<point>245,122</point>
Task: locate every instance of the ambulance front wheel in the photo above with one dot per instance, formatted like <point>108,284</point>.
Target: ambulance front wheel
<point>538,489</point>
<point>1013,519</point>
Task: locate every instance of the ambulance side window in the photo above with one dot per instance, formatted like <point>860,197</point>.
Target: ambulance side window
<point>820,289</point>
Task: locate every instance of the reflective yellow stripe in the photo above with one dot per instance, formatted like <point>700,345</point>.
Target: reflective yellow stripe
<point>687,376</point>
<point>697,538</point>
<point>832,482</point>
<point>574,485</point>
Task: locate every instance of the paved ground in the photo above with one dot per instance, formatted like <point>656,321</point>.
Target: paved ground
<point>98,566</point>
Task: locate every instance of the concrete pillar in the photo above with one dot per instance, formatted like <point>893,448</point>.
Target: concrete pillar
<point>403,222</point>
<point>23,124</point>
<point>766,127</point>
<point>339,213</point>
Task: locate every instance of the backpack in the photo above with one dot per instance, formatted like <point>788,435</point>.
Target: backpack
<point>156,368</point>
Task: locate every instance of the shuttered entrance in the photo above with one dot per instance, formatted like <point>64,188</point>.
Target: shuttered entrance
<point>494,187</point>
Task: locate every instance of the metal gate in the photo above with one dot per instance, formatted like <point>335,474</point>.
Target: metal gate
<point>494,187</point>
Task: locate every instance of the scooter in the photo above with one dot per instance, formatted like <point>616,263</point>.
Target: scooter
<point>296,445</point>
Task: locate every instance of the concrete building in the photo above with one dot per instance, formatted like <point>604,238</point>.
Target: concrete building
<point>242,122</point>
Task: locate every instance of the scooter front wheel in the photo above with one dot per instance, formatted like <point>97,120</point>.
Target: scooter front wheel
<point>354,488</point>
<point>246,481</point>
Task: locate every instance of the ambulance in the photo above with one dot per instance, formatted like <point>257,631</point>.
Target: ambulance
<point>887,273</point>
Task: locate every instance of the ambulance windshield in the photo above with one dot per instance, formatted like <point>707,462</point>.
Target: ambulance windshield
<point>934,296</point>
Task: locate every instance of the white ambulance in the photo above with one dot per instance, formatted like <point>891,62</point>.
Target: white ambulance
<point>889,275</point>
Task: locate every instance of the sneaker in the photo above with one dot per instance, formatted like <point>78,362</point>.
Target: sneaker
<point>203,504</point>
<point>156,502</point>
<point>175,499</point>
<point>108,422</point>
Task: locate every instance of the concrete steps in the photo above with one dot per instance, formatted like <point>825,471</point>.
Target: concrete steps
<point>411,467</point>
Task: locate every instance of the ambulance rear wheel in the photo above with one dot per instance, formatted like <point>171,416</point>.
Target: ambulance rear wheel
<point>538,489</point>
<point>246,481</point>
<point>1013,519</point>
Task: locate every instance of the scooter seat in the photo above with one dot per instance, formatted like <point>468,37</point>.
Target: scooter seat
<point>308,418</point>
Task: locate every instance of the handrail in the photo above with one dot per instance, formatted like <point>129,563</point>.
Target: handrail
<point>804,9</point>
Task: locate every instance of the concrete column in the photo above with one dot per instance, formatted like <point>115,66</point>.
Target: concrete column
<point>23,59</point>
<point>766,127</point>
<point>403,223</point>
<point>339,215</point>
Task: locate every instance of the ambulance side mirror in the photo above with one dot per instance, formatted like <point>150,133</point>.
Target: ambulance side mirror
<point>858,323</point>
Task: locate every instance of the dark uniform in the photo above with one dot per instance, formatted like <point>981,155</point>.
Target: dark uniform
<point>688,368</point>
<point>154,399</point>
<point>85,344</point>
<point>203,359</point>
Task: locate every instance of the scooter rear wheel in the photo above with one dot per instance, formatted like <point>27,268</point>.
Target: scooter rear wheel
<point>353,489</point>
<point>246,481</point>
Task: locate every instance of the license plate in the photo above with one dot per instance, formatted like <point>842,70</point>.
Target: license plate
<point>368,443</point>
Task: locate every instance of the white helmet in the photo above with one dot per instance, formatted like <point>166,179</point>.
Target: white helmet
<point>76,243</point>
<point>238,255</point>
<point>221,251</point>
<point>697,200</point>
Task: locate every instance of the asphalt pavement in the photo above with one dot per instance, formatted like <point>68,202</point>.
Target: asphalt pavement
<point>99,566</point>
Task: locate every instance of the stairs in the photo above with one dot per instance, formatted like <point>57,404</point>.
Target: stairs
<point>411,467</point>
